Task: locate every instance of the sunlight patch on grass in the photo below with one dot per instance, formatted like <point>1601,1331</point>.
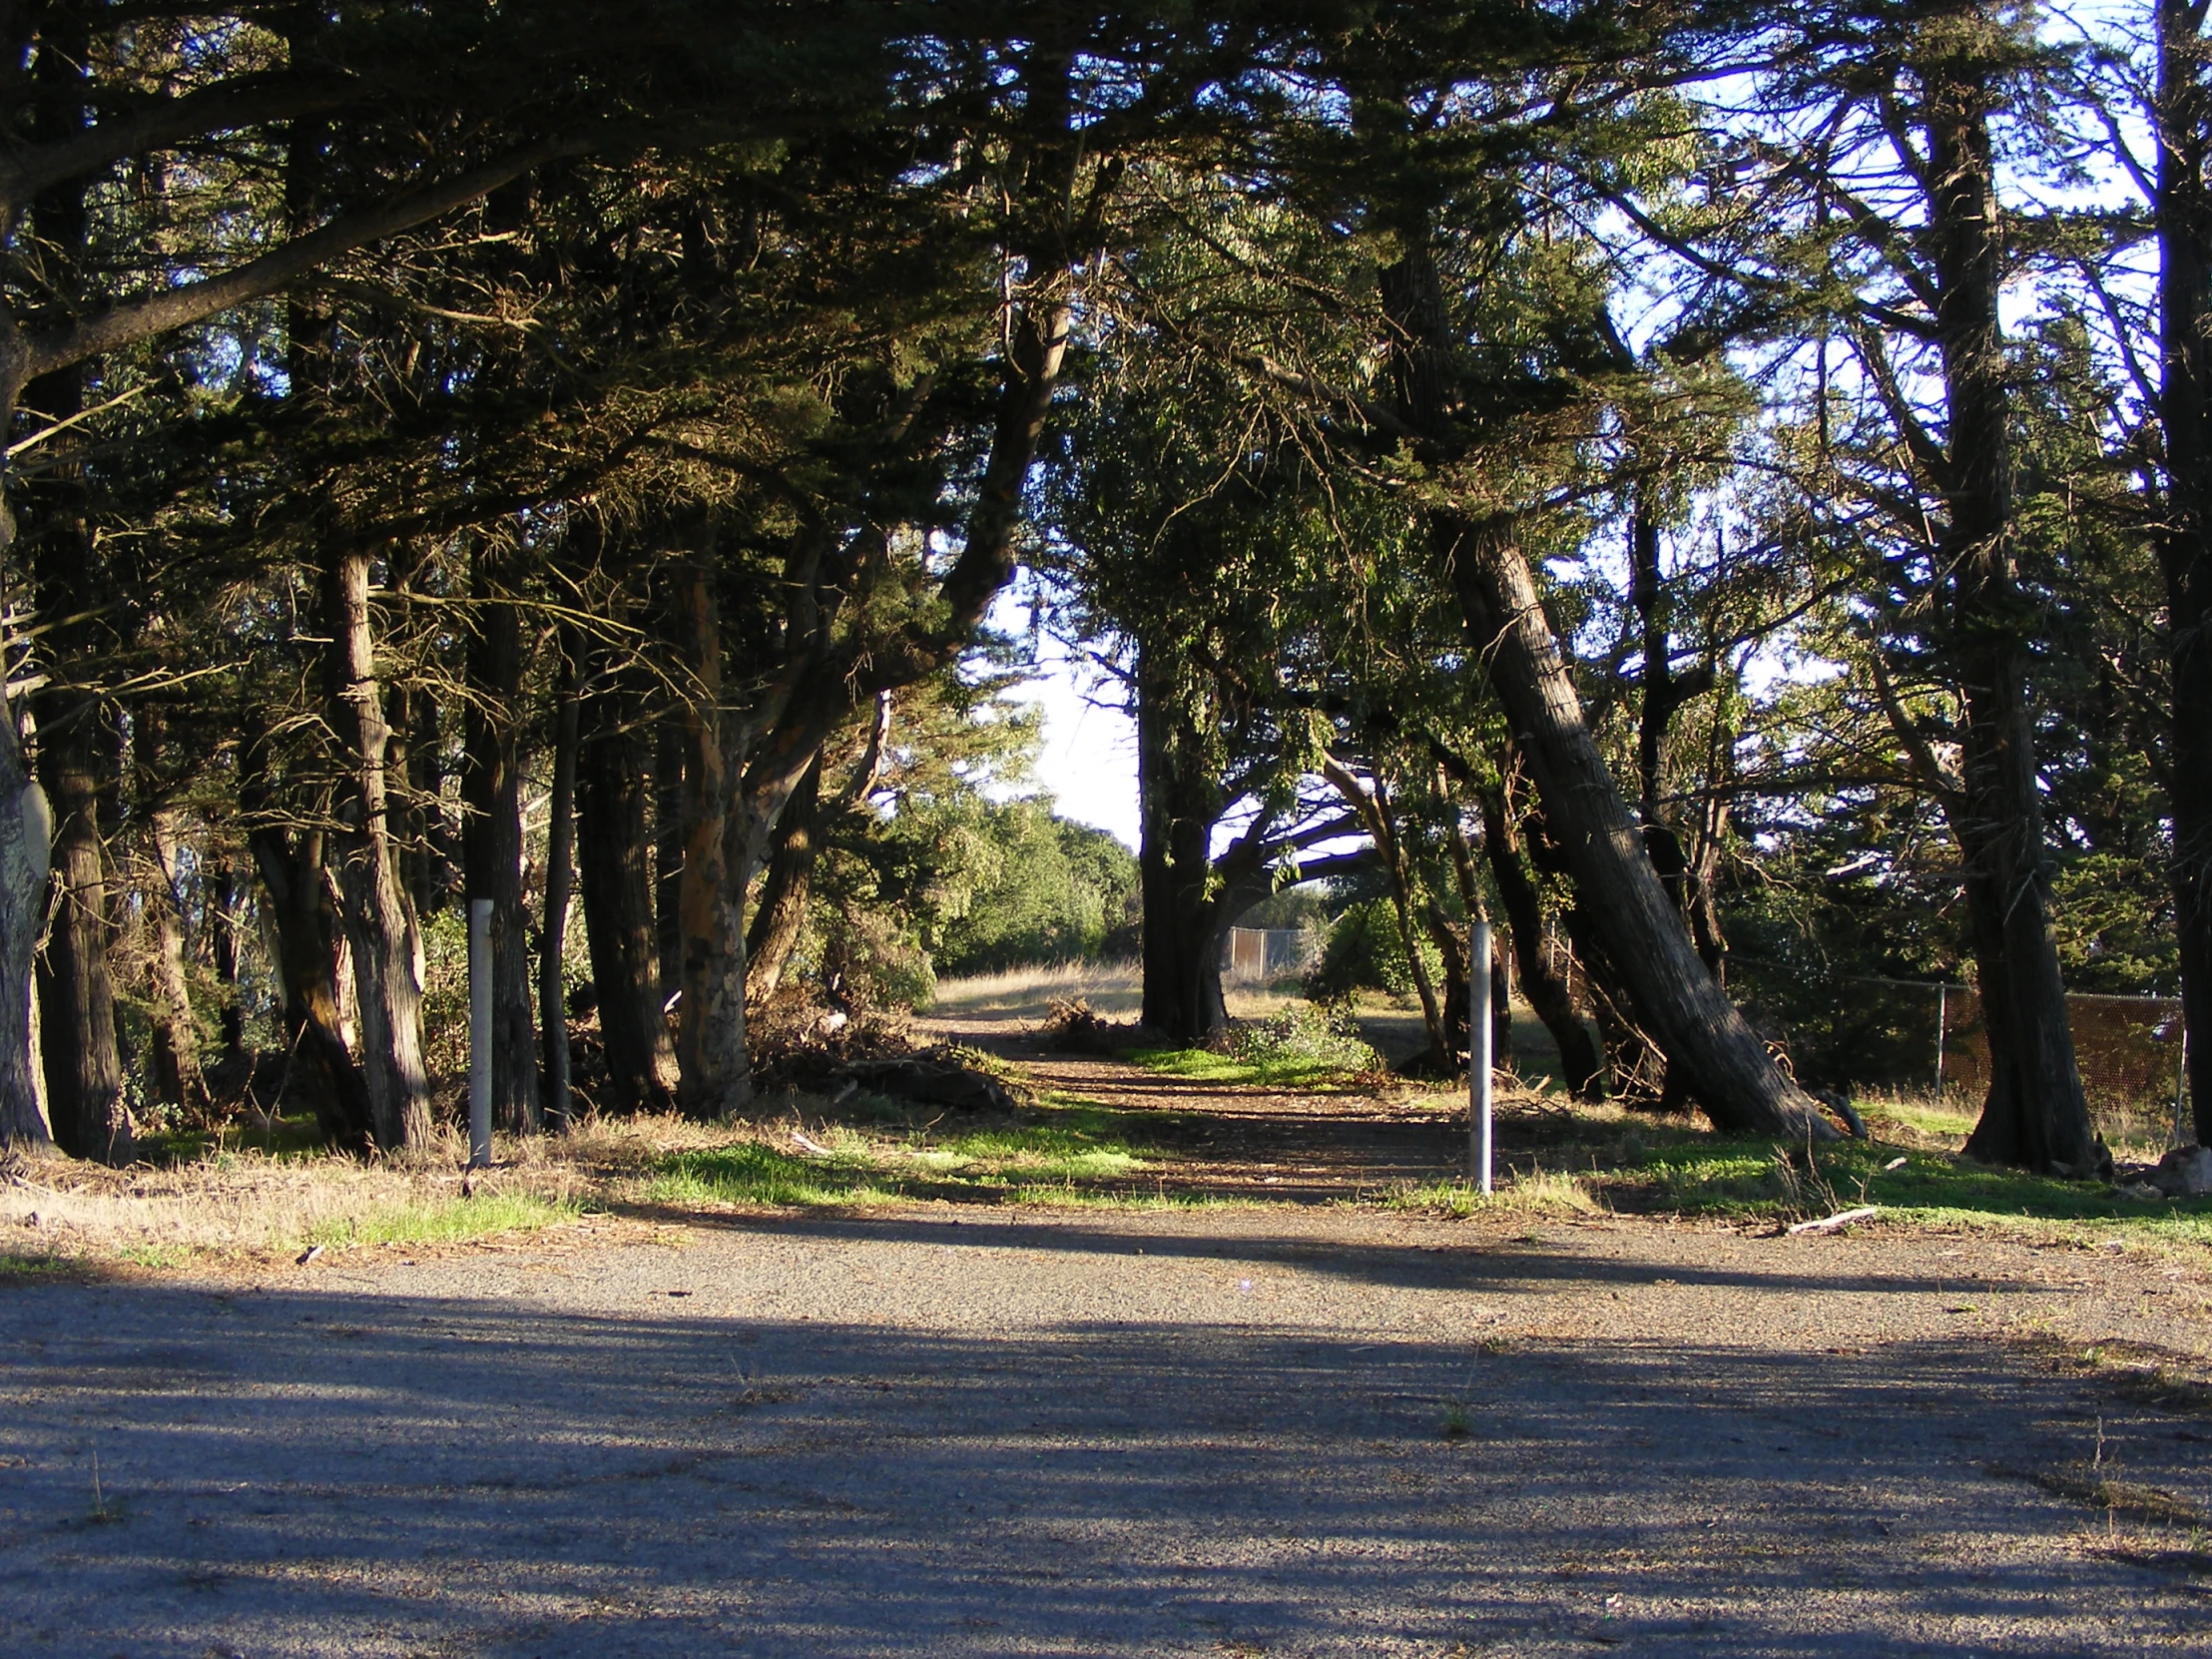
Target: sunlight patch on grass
<point>1926,1189</point>
<point>1205,1066</point>
<point>444,1221</point>
<point>1540,1192</point>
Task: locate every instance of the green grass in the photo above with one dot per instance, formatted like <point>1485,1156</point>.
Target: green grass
<point>1205,1066</point>
<point>1023,1163</point>
<point>1537,1192</point>
<point>1712,1177</point>
<point>444,1221</point>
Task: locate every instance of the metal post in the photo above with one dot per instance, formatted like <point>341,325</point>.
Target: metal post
<point>1478,1052</point>
<point>479,1033</point>
<point>1943,993</point>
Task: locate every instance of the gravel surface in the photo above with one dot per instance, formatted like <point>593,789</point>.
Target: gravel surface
<point>940,1431</point>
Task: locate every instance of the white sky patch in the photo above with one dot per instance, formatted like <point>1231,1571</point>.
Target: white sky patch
<point>1089,761</point>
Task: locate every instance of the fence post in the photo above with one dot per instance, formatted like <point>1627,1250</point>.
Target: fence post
<point>1478,1052</point>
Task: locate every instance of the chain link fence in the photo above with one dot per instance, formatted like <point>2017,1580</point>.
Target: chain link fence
<point>1912,1037</point>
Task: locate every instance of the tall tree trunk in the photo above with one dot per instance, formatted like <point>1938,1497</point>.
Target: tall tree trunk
<point>175,1063</point>
<point>779,913</point>
<point>25,836</point>
<point>670,745</point>
<point>560,846</point>
<point>1179,803</point>
<point>2034,1114</point>
<point>380,921</point>
<point>618,904</point>
<point>2183,210</point>
<point>84,1068</point>
<point>492,840</point>
<point>304,930</point>
<point>711,1057</point>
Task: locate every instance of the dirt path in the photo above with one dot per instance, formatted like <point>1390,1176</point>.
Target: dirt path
<point>945,1430</point>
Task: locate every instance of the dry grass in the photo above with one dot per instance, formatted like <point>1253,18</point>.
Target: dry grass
<point>1113,989</point>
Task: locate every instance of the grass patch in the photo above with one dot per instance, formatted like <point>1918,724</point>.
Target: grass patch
<point>1205,1066</point>
<point>1043,1162</point>
<point>444,1221</point>
<point>1707,1177</point>
<point>1540,1192</point>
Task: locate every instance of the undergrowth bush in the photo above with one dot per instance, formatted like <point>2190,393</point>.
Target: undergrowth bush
<point>1318,1034</point>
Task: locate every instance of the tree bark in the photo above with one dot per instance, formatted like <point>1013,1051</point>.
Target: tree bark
<point>618,903</point>
<point>2183,213</point>
<point>2034,1114</point>
<point>716,1072</point>
<point>1179,803</point>
<point>560,844</point>
<point>1548,992</point>
<point>493,839</point>
<point>175,1063</point>
<point>670,745</point>
<point>378,919</point>
<point>779,913</point>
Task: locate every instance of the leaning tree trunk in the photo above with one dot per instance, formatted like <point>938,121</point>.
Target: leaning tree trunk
<point>492,840</point>
<point>378,919</point>
<point>618,901</point>
<point>2183,210</point>
<point>1548,994</point>
<point>2034,1114</point>
<point>779,913</point>
<point>560,846</point>
<point>1721,1059</point>
<point>1374,812</point>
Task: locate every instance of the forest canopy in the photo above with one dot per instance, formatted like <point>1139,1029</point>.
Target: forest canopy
<point>1720,492</point>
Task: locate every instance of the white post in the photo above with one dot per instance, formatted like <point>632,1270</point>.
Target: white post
<point>479,1033</point>
<point>1478,1051</point>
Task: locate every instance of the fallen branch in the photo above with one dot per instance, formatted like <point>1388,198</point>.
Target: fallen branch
<point>1841,1218</point>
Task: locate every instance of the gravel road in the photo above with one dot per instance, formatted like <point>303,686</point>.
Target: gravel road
<point>950,1430</point>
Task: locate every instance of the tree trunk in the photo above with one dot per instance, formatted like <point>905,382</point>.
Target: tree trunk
<point>2184,209</point>
<point>175,1067</point>
<point>1374,813</point>
<point>2034,1114</point>
<point>716,1077</point>
<point>225,902</point>
<point>25,836</point>
<point>1722,1058</point>
<point>84,1069</point>
<point>779,915</point>
<point>380,921</point>
<point>670,745</point>
<point>618,904</point>
<point>1722,1061</point>
<point>1548,992</point>
<point>303,929</point>
<point>1179,803</point>
<point>560,844</point>
<point>492,840</point>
